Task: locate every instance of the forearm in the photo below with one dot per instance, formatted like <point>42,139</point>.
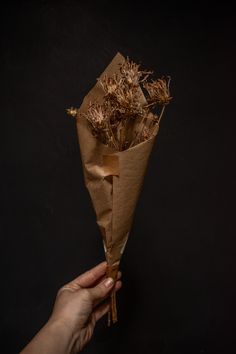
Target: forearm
<point>53,338</point>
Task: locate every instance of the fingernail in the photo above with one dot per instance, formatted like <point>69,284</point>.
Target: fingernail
<point>109,282</point>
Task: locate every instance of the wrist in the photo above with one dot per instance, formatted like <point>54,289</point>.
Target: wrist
<point>61,333</point>
<point>54,337</point>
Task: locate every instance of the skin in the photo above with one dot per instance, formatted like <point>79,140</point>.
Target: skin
<point>78,306</point>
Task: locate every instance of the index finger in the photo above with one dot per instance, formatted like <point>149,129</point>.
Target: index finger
<point>90,276</point>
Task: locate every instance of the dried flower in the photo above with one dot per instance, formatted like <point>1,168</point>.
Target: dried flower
<point>121,94</point>
<point>128,99</point>
<point>97,116</point>
<point>124,119</point>
<point>158,91</point>
<point>131,73</point>
<point>110,84</point>
<point>72,111</point>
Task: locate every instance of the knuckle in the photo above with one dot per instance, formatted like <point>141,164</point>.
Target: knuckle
<point>101,291</point>
<point>85,294</point>
<point>60,291</point>
<point>63,289</point>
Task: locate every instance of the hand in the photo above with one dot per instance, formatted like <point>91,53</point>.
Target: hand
<point>78,306</point>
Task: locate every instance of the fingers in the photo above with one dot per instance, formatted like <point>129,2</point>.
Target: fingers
<point>101,310</point>
<point>118,285</point>
<point>101,291</point>
<point>90,277</point>
<point>104,277</point>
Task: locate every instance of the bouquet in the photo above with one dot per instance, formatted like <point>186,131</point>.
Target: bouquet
<point>117,124</point>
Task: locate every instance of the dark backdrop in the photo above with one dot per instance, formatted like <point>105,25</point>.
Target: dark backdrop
<point>179,289</point>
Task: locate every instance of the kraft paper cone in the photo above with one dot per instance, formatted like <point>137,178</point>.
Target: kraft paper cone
<point>114,180</point>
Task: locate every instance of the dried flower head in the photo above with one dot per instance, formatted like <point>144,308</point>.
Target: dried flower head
<point>110,84</point>
<point>158,90</point>
<point>72,111</point>
<point>131,73</point>
<point>97,116</point>
<point>123,96</point>
<point>128,100</point>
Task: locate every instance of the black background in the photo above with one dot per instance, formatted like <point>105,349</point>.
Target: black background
<point>179,289</point>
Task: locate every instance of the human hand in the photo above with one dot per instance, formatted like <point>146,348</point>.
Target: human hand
<point>80,304</point>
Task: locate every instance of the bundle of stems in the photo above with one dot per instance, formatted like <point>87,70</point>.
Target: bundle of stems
<point>128,114</point>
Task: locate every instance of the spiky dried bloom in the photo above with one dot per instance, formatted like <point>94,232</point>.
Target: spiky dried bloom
<point>110,84</point>
<point>125,117</point>
<point>158,91</point>
<point>121,94</point>
<point>72,111</point>
<point>131,73</point>
<point>97,116</point>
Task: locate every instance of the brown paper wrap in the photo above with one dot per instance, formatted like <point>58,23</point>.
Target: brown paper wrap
<point>114,179</point>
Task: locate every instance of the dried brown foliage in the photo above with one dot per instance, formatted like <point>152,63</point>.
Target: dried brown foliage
<point>125,118</point>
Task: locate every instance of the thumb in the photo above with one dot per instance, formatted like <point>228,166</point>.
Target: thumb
<point>102,289</point>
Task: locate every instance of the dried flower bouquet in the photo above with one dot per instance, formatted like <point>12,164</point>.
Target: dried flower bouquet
<point>117,126</point>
